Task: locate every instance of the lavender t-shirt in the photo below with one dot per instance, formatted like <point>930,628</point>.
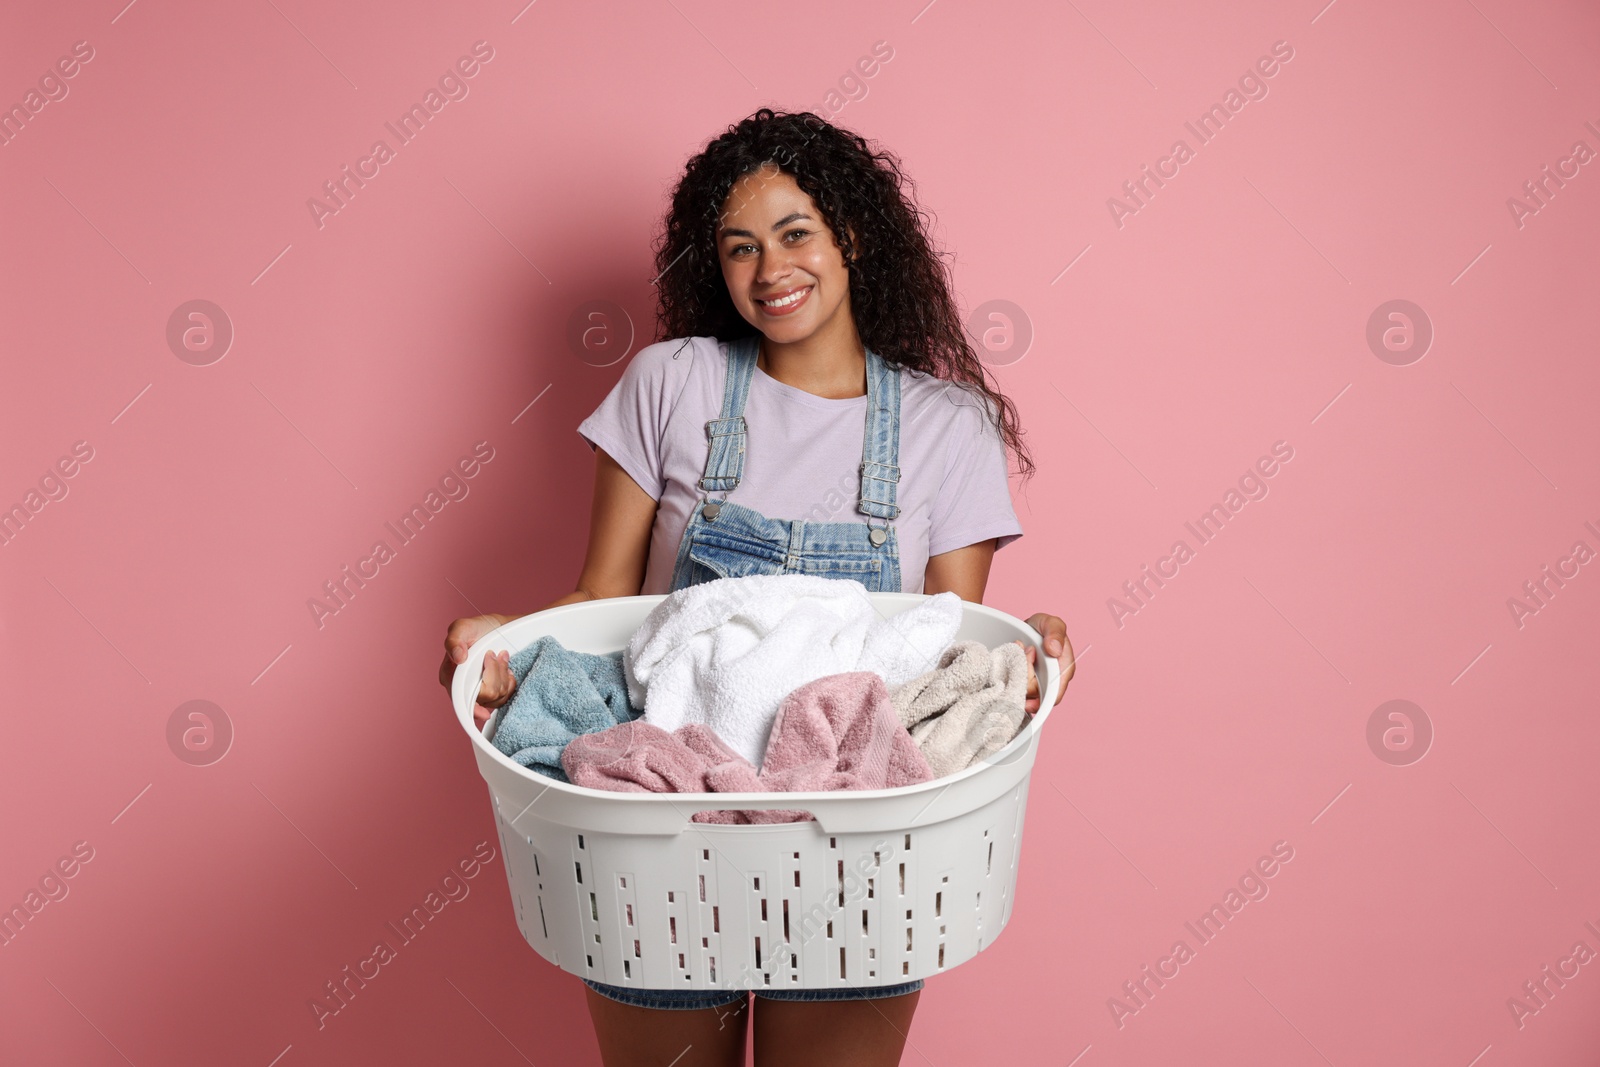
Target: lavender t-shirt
<point>803,454</point>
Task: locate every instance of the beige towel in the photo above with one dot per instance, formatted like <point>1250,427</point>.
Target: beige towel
<point>969,707</point>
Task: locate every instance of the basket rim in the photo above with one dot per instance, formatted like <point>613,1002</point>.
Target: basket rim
<point>504,637</point>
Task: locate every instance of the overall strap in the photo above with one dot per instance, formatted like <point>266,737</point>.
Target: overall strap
<point>725,460</point>
<point>880,450</point>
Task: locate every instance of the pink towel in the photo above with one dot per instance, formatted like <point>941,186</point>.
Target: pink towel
<point>840,731</point>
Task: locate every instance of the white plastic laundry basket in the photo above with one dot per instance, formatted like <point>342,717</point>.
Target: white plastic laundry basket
<point>885,886</point>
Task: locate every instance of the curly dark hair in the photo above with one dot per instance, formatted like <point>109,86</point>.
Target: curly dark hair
<point>900,292</point>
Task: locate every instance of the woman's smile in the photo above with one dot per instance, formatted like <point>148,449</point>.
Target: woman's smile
<point>785,302</point>
<point>784,270</point>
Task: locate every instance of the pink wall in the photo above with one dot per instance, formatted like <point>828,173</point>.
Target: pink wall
<point>1171,349</point>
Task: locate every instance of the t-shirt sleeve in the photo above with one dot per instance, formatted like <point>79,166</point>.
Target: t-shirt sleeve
<point>974,503</point>
<point>631,420</point>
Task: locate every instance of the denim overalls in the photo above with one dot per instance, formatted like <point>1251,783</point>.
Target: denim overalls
<point>728,540</point>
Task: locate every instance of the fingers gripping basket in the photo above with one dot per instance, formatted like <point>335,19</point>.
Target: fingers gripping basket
<point>885,886</point>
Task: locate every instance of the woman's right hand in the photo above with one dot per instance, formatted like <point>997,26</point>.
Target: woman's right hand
<point>498,683</point>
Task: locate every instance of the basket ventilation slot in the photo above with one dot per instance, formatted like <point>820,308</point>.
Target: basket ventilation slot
<point>762,927</point>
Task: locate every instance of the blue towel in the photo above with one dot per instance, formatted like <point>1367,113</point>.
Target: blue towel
<point>560,694</point>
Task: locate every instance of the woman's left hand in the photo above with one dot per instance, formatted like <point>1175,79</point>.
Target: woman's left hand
<point>1054,632</point>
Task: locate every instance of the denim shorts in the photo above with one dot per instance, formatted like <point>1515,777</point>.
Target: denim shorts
<point>691,999</point>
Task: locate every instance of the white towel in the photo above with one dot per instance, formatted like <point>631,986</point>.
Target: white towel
<point>908,645</point>
<point>726,652</point>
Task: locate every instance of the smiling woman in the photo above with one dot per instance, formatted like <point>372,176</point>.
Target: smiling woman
<point>808,275</point>
<point>808,349</point>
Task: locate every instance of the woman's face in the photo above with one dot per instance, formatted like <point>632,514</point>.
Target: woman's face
<point>774,245</point>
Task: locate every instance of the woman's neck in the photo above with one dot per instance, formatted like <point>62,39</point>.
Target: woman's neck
<point>832,368</point>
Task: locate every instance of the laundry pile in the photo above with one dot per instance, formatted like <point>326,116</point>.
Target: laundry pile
<point>767,683</point>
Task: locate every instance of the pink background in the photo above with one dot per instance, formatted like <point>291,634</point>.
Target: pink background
<point>1229,313</point>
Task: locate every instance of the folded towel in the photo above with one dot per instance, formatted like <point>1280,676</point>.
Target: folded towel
<point>560,695</point>
<point>836,732</point>
<point>726,652</point>
<point>968,708</point>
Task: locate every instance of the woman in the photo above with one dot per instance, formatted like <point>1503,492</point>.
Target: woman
<point>814,366</point>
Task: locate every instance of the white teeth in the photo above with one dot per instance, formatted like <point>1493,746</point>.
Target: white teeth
<point>785,301</point>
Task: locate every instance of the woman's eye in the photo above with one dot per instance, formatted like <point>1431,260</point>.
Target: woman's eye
<point>739,250</point>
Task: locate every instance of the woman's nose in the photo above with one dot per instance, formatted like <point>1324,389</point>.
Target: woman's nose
<point>774,264</point>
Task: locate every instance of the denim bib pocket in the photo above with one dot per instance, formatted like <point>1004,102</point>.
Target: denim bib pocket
<point>729,557</point>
